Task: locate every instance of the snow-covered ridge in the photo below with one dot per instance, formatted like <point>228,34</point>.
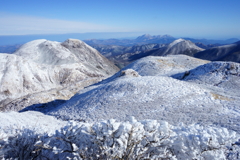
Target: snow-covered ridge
<point>229,52</point>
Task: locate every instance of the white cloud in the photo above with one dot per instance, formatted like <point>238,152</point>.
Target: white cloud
<point>20,25</point>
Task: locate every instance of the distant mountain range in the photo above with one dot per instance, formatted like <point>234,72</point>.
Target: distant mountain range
<point>122,56</point>
<point>209,41</point>
<point>124,51</point>
<point>162,39</point>
<point>107,38</point>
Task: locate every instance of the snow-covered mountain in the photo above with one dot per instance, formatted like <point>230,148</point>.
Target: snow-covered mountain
<point>179,46</point>
<point>229,52</point>
<point>58,69</point>
<point>141,91</point>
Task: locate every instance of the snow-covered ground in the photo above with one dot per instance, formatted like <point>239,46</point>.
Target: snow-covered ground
<point>12,121</point>
<point>177,91</point>
<point>155,94</point>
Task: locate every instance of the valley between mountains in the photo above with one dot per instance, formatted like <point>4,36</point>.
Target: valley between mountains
<point>47,86</point>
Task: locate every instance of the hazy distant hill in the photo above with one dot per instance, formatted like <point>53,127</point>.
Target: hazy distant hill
<point>9,48</point>
<point>229,52</point>
<point>209,41</point>
<point>207,46</point>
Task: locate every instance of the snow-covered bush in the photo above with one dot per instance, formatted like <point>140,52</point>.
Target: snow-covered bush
<point>147,139</point>
<point>22,146</point>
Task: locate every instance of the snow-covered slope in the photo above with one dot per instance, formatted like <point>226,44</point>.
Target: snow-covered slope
<point>145,95</point>
<point>44,66</point>
<point>224,75</point>
<point>168,65</point>
<point>229,52</point>
<point>12,121</point>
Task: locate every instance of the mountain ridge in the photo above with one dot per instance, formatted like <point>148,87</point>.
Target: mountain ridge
<point>230,52</point>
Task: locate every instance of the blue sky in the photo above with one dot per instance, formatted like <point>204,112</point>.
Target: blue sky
<point>180,18</point>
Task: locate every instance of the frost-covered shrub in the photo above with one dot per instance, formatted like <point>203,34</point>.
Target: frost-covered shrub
<point>233,152</point>
<point>147,139</point>
<point>22,146</point>
<point>198,142</point>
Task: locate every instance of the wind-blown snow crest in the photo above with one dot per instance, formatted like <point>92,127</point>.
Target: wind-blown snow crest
<point>164,66</point>
<point>223,75</point>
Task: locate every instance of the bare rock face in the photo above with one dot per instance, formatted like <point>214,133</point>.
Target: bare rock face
<point>43,66</point>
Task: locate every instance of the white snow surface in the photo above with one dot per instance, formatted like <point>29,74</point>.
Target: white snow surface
<point>12,121</point>
<point>165,66</point>
<point>224,75</point>
<point>156,95</point>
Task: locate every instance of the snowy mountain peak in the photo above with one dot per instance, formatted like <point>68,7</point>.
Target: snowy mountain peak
<point>179,46</point>
<point>176,42</point>
<point>144,37</point>
<point>74,43</point>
